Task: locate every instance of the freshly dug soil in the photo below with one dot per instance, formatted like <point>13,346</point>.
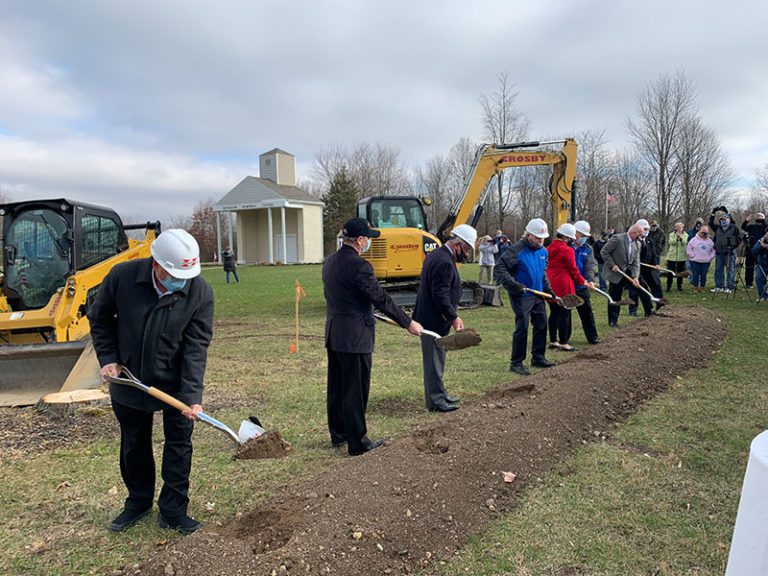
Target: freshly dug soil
<point>410,505</point>
<point>268,445</point>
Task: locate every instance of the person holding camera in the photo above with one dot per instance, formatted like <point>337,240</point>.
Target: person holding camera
<point>701,252</point>
<point>727,238</point>
<point>760,254</point>
<point>755,228</point>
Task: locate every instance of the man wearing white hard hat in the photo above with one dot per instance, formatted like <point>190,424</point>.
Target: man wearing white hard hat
<point>585,261</point>
<point>155,317</point>
<point>523,266</point>
<point>437,310</point>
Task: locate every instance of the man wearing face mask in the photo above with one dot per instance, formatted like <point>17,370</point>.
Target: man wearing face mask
<point>726,237</point>
<point>437,310</point>
<point>155,317</point>
<point>351,293</point>
<point>524,265</point>
<point>585,261</point>
<point>755,228</point>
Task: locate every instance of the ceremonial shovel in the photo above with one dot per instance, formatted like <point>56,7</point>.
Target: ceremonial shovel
<point>683,274</point>
<point>249,429</point>
<point>569,301</point>
<point>651,296</point>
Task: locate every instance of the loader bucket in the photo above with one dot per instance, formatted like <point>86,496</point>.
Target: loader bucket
<point>28,372</point>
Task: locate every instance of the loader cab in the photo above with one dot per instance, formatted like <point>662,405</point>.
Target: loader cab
<point>393,212</point>
<point>46,241</point>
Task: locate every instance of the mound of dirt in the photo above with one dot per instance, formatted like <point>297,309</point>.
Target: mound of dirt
<point>410,505</point>
<point>268,445</point>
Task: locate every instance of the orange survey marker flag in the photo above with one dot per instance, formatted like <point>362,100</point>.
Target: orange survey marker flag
<point>299,293</point>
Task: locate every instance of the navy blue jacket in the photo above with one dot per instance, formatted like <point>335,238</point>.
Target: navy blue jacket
<point>523,266</point>
<point>162,341</point>
<point>351,292</point>
<point>439,292</point>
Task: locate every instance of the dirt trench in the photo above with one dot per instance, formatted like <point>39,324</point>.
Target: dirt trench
<point>410,505</point>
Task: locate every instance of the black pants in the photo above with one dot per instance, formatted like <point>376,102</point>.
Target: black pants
<point>615,290</point>
<point>676,267</point>
<point>749,265</point>
<point>137,463</point>
<point>349,382</point>
<point>529,310</point>
<point>650,281</point>
<point>559,324</point>
<point>587,316</point>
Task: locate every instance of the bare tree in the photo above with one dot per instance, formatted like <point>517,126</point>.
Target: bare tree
<point>705,172</point>
<point>632,187</point>
<point>433,181</point>
<point>374,169</point>
<point>594,176</point>
<point>761,182</point>
<point>4,197</point>
<point>663,108</point>
<point>503,123</point>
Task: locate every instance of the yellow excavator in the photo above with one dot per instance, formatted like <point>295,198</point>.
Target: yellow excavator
<point>397,255</point>
<point>55,255</point>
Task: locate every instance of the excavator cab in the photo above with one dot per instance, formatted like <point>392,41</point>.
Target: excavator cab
<point>55,255</point>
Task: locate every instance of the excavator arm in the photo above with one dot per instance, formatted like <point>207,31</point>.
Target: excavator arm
<point>491,159</point>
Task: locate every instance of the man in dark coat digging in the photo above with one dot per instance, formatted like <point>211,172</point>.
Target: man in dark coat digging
<point>351,292</point>
<point>155,317</point>
<point>437,310</point>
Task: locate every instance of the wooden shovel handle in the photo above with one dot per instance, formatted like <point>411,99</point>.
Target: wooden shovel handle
<point>542,294</point>
<point>168,399</point>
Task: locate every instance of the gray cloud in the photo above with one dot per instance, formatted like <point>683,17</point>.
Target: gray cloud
<point>167,103</point>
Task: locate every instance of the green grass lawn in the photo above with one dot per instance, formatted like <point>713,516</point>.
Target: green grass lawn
<point>667,508</point>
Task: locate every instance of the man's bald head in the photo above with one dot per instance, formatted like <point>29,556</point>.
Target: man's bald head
<point>635,231</point>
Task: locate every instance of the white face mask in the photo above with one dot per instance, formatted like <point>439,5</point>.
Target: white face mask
<point>367,245</point>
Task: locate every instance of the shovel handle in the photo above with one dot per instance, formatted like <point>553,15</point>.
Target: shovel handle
<point>651,296</point>
<point>168,399</point>
<point>659,268</point>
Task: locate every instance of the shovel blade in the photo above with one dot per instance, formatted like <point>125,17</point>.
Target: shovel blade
<point>248,431</point>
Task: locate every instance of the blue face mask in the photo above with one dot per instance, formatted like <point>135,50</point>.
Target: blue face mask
<point>581,241</point>
<point>367,245</point>
<point>725,223</point>
<point>173,284</point>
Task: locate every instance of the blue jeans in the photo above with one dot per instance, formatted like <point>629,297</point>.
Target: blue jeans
<point>723,261</point>
<point>699,273</point>
<point>236,278</point>
<point>600,275</point>
<point>760,281</point>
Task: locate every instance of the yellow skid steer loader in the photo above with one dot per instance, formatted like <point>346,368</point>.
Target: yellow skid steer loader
<point>55,255</point>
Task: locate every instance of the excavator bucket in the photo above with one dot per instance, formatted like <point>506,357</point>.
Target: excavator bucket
<point>29,372</point>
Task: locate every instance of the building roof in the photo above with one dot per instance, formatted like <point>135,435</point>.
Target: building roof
<point>254,192</point>
<point>278,150</point>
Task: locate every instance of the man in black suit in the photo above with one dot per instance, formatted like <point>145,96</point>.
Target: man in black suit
<point>155,317</point>
<point>436,309</point>
<point>351,292</point>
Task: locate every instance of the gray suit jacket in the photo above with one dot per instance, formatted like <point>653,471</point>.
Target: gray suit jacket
<point>615,252</point>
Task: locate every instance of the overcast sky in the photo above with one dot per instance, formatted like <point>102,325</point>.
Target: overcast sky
<point>151,106</point>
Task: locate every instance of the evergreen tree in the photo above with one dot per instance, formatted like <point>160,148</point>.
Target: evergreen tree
<point>339,206</point>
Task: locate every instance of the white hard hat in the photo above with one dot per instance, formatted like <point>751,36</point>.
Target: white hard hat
<point>567,230</point>
<point>582,227</point>
<point>177,252</point>
<point>466,233</point>
<point>643,223</point>
<point>538,228</point>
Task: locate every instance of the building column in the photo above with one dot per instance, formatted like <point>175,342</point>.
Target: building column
<point>229,230</point>
<point>285,242</point>
<point>218,236</point>
<point>271,235</point>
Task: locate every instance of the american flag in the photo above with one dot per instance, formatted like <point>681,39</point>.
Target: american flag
<point>611,198</point>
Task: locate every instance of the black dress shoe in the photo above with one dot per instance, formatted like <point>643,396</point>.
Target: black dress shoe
<point>519,369</point>
<point>613,324</point>
<point>338,444</point>
<point>544,363</point>
<point>452,399</point>
<point>444,408</point>
<point>128,518</point>
<point>183,524</point>
<point>595,341</point>
<point>372,445</point>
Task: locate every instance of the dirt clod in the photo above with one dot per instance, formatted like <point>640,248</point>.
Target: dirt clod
<point>268,445</point>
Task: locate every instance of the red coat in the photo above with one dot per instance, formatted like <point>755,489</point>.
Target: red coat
<point>562,272</point>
